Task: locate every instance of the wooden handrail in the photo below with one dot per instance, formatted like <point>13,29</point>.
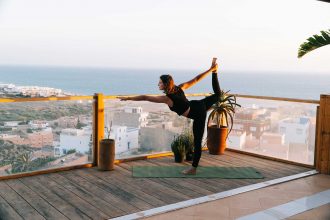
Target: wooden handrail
<point>237,95</point>
<point>41,99</point>
<point>311,101</point>
<point>68,98</point>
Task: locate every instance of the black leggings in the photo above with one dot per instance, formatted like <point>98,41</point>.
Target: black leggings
<point>198,109</point>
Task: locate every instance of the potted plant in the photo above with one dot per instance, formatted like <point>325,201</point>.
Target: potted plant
<point>183,145</point>
<point>188,140</point>
<point>107,152</point>
<point>221,116</point>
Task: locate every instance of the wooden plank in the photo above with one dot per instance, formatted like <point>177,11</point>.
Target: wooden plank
<point>323,136</point>
<point>151,189</point>
<point>7,212</point>
<point>48,194</point>
<point>70,197</point>
<point>172,196</point>
<point>319,147</point>
<point>179,191</point>
<point>180,184</point>
<point>218,185</point>
<point>237,95</point>
<point>98,125</point>
<point>22,207</point>
<point>93,192</point>
<point>317,136</point>
<point>114,178</point>
<point>265,171</point>
<point>127,197</point>
<point>111,205</point>
<point>225,184</point>
<point>115,199</point>
<point>39,172</point>
<point>191,184</point>
<point>198,182</point>
<point>46,99</point>
<point>229,183</point>
<point>126,177</point>
<point>278,99</point>
<point>142,184</point>
<point>326,141</point>
<point>235,161</point>
<point>41,205</point>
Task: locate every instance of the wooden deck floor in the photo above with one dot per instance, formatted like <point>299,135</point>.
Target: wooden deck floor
<point>91,194</point>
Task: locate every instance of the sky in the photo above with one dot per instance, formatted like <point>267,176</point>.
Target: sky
<point>245,35</point>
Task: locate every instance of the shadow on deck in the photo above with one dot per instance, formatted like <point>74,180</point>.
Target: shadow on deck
<point>90,194</point>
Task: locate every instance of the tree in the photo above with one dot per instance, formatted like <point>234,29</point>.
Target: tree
<point>314,42</point>
<point>22,163</point>
<point>79,124</point>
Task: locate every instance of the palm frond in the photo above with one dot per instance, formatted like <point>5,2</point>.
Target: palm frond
<point>224,110</point>
<point>314,42</point>
<point>231,124</point>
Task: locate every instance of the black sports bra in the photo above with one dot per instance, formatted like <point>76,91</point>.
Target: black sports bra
<point>180,102</point>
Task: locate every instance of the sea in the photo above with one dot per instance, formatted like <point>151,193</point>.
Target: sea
<point>122,81</point>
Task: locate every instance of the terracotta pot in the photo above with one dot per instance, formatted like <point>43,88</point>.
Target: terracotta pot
<point>216,139</point>
<point>106,154</point>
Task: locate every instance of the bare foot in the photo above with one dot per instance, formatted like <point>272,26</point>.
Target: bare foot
<point>190,171</point>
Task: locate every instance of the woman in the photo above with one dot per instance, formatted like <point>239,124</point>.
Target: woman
<point>196,109</point>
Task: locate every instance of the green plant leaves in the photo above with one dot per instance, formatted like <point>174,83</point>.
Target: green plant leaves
<point>182,143</point>
<point>224,110</point>
<point>314,42</point>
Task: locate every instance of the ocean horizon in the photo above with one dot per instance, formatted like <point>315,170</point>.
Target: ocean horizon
<point>121,81</point>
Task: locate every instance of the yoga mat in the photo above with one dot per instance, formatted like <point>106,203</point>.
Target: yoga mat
<point>202,172</point>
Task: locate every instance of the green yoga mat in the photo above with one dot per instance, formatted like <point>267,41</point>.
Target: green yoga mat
<point>202,172</point>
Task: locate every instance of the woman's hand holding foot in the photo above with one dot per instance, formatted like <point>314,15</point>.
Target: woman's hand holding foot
<point>214,68</point>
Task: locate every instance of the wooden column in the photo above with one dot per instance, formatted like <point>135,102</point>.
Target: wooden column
<point>98,125</point>
<point>322,153</point>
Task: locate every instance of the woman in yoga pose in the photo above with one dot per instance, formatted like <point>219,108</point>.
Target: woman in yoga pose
<point>196,109</point>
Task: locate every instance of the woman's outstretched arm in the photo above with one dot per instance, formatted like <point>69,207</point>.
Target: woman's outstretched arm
<point>156,99</point>
<point>198,78</point>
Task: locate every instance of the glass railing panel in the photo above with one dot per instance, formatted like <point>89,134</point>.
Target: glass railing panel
<point>140,127</point>
<point>42,135</point>
<point>280,129</point>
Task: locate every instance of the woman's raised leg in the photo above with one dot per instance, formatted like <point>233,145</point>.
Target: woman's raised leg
<point>215,83</point>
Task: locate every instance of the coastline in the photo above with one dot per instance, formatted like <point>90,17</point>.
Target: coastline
<point>115,81</point>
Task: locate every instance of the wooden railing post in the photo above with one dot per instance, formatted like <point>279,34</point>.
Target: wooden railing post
<point>322,153</point>
<point>98,125</point>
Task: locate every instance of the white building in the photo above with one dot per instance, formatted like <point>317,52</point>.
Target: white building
<point>296,130</point>
<point>38,124</point>
<point>57,149</point>
<point>35,91</point>
<point>11,123</point>
<point>78,139</point>
<point>269,138</point>
<point>126,138</point>
<point>9,88</point>
<point>131,117</point>
<point>132,138</point>
<point>236,139</point>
